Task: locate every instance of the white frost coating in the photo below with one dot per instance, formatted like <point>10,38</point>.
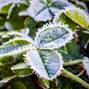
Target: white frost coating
<point>86,64</point>
<point>21,35</point>
<point>42,11</point>
<point>25,31</point>
<point>49,67</point>
<point>53,35</point>
<point>81,12</point>
<point>6,2</point>
<point>19,66</point>
<point>18,49</point>
<point>9,26</point>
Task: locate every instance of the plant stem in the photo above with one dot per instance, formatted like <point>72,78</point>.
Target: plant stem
<point>74,77</point>
<point>73,62</point>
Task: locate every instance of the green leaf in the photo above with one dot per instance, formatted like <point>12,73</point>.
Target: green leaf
<point>13,4</point>
<point>46,82</point>
<point>71,52</point>
<point>14,47</point>
<point>53,36</point>
<point>6,36</point>
<point>6,80</point>
<point>2,22</point>
<point>47,63</point>
<point>21,69</point>
<point>79,16</point>
<point>64,19</point>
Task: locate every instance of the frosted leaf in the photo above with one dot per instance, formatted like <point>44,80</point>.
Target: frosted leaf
<point>15,46</point>
<point>43,10</point>
<point>53,35</point>
<point>5,80</point>
<point>79,16</point>
<point>47,64</point>
<point>22,69</point>
<point>14,34</point>
<point>86,64</point>
<point>13,2</point>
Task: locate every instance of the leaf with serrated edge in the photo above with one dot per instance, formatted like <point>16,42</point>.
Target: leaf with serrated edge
<point>47,63</point>
<point>15,46</point>
<point>53,35</point>
<point>79,16</point>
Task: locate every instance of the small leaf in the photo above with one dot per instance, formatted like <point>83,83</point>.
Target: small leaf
<point>22,69</point>
<point>47,64</point>
<point>53,35</point>
<point>79,16</point>
<point>43,10</point>
<point>5,36</point>
<point>6,80</point>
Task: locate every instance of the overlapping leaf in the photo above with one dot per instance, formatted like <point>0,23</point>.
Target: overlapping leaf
<point>13,4</point>
<point>47,64</point>
<point>53,35</point>
<point>43,10</point>
<point>5,80</point>
<point>21,69</point>
<point>14,47</point>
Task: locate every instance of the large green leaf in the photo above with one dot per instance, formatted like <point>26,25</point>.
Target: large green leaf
<point>79,16</point>
<point>43,10</point>
<point>47,63</point>
<point>53,35</point>
<point>21,69</point>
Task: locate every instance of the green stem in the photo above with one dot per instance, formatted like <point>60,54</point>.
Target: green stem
<point>76,78</point>
<point>73,62</point>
